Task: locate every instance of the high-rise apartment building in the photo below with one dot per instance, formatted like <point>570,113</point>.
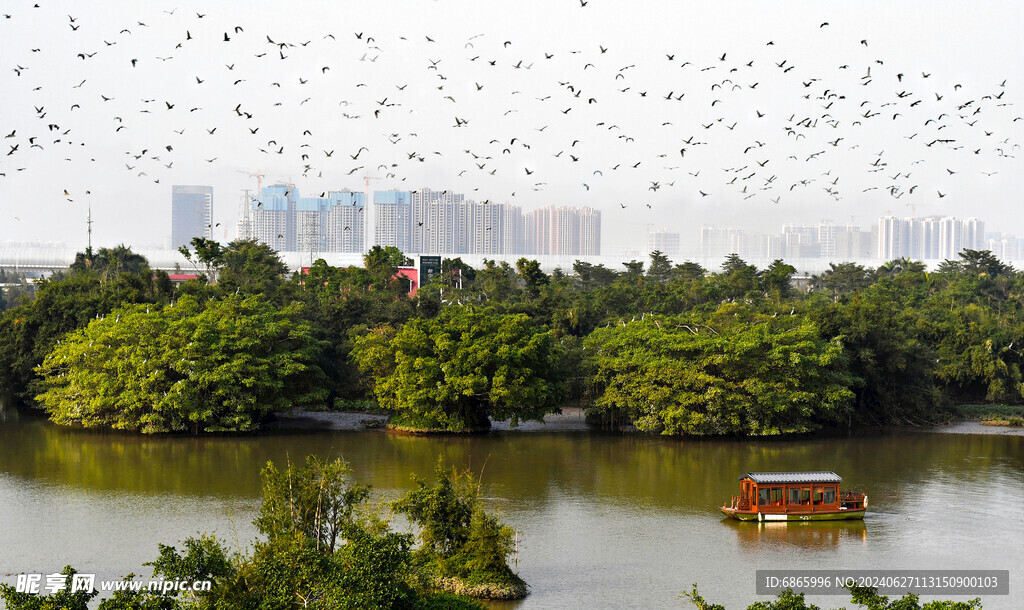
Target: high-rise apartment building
<point>890,238</point>
<point>273,220</point>
<point>929,238</point>
<point>801,241</point>
<point>495,228</point>
<point>951,234</point>
<point>827,240</point>
<point>663,241</point>
<point>285,221</point>
<point>345,222</point>
<point>716,242</point>
<point>191,214</point>
<point>416,222</point>
<point>974,234</point>
<point>563,231</point>
<point>1004,247</point>
<point>440,222</point>
<point>590,231</point>
<point>392,219</point>
<point>852,244</point>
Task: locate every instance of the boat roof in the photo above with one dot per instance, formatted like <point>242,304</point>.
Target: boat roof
<point>818,476</point>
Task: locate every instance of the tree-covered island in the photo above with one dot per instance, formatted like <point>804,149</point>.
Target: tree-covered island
<point>667,348</point>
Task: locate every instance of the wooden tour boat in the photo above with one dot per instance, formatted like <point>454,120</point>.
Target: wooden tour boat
<point>794,496</point>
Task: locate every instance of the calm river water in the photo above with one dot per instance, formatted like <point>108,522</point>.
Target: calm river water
<point>603,520</point>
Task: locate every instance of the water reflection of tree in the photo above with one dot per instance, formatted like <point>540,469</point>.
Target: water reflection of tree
<point>532,468</point>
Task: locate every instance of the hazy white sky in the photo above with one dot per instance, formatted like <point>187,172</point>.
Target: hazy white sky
<point>557,103</point>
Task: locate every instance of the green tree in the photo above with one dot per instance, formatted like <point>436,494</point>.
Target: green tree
<point>737,277</point>
<point>733,372</point>
<point>660,269</point>
<point>61,600</point>
<point>775,280</point>
<point>382,264</point>
<point>110,262</point>
<point>689,271</point>
<point>634,272</point>
<point>976,262</point>
<point>456,371</point>
<point>62,303</point>
<point>315,501</point>
<point>454,270</point>
<point>533,277</point>
<point>497,281</point>
<point>219,366</point>
<point>458,538</point>
<point>893,367</point>
<point>900,265</point>
<point>593,276</point>
<point>251,267</point>
<point>206,252</point>
<point>844,279</point>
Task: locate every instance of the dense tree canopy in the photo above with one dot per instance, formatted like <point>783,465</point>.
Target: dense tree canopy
<point>63,303</point>
<point>733,372</point>
<point>219,366</point>
<point>457,370</point>
<point>912,343</point>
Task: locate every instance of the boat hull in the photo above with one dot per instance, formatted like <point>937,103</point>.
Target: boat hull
<point>841,515</point>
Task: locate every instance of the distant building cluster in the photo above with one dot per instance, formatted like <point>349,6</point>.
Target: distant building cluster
<point>664,241</point>
<point>1005,247</point>
<point>928,238</point>
<point>821,241</point>
<point>932,238</point>
<point>284,220</point>
<point>422,221</point>
<point>191,214</point>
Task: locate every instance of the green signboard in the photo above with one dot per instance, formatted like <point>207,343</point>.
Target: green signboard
<point>430,267</point>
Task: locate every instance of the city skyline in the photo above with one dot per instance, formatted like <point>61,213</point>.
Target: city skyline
<point>930,239</point>
<point>789,115</point>
<point>422,221</point>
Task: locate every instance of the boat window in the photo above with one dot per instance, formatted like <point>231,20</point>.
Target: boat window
<point>830,495</point>
<point>762,496</point>
<point>794,495</point>
<point>805,495</point>
<point>777,496</point>
<point>818,493</point>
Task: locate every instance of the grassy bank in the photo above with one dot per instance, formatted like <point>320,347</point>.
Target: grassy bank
<point>993,415</point>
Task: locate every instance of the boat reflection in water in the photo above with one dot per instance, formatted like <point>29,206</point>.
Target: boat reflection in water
<point>806,534</point>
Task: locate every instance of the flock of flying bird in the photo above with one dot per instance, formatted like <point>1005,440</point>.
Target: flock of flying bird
<point>719,128</point>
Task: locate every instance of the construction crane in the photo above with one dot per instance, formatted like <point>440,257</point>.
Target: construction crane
<point>258,175</point>
<point>913,208</point>
<point>367,178</point>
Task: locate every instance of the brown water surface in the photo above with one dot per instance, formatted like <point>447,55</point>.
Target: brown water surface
<point>603,520</point>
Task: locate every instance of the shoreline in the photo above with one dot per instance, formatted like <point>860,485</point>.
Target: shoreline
<point>968,426</point>
<point>571,419</point>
